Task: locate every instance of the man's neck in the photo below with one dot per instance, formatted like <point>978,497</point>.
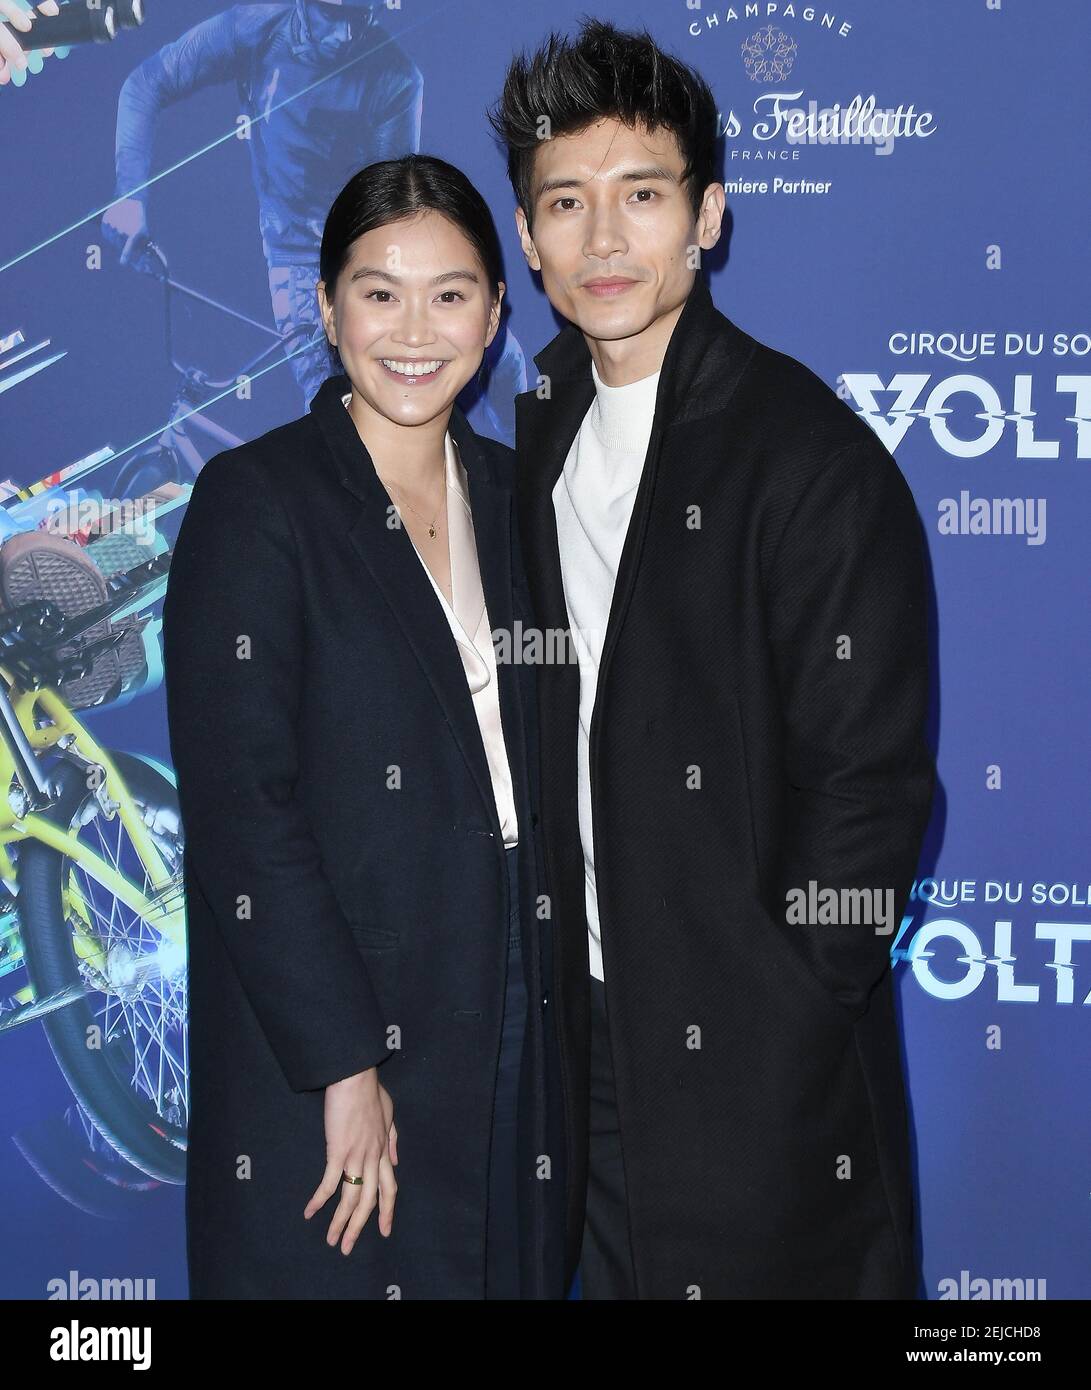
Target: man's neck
<point>620,361</point>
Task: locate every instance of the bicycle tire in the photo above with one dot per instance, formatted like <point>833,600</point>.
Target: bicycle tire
<point>128,1122</point>
<point>146,471</point>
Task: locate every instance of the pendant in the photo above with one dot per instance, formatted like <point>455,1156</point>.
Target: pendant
<point>432,532</point>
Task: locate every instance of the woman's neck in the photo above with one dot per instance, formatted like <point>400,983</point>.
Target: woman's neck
<point>411,455</point>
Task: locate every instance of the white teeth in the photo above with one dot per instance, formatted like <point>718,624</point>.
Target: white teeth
<point>412,368</point>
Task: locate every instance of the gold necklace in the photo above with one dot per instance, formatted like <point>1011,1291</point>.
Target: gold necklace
<point>430,524</point>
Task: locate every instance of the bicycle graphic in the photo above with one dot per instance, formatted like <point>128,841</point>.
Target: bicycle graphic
<point>92,907</point>
<point>174,456</point>
<point>91,845</point>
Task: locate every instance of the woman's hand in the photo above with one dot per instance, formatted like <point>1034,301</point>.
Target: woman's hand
<point>360,1139</point>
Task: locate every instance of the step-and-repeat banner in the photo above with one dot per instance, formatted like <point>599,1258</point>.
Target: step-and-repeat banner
<point>907,190</point>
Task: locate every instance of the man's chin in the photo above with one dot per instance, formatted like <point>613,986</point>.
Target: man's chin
<point>610,322</point>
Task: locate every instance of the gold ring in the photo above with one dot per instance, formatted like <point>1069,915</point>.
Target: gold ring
<point>349,1178</point>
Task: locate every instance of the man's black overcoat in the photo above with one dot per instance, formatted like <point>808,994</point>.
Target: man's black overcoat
<point>345,875</point>
<point>758,725</point>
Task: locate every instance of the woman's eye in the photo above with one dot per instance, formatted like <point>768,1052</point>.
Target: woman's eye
<point>373,294</point>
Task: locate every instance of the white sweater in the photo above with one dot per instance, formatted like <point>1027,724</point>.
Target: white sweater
<point>593,501</point>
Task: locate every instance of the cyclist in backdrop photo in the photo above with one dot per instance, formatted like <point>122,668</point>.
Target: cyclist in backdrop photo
<point>745,562</point>
<point>357,778</point>
<point>326,90</point>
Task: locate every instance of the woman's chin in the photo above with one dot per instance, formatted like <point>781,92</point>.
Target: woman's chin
<point>412,404</point>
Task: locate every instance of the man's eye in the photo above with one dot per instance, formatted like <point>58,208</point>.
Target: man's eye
<point>651,191</point>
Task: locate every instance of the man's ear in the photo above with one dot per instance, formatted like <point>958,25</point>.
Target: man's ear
<point>711,217</point>
<point>494,314</point>
<point>525,240</point>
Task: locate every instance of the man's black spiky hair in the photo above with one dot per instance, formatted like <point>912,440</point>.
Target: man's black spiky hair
<point>604,73</point>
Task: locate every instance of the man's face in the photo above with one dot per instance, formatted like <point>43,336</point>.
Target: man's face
<point>609,205</point>
<point>412,295</point>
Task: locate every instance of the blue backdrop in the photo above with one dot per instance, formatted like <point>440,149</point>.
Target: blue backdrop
<point>931,269</point>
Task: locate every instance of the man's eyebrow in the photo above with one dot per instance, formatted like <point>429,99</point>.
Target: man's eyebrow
<point>374,270</point>
<point>649,171</point>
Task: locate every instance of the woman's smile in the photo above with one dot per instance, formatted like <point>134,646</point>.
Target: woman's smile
<point>413,371</point>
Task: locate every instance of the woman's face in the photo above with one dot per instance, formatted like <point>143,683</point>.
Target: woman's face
<point>412,315</point>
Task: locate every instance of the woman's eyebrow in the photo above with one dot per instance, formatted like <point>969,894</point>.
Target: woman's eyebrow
<point>364,270</point>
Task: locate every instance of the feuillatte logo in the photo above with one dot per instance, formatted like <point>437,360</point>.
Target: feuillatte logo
<point>785,123</point>
<point>769,55</point>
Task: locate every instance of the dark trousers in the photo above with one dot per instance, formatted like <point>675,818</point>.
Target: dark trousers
<point>606,1263</point>
<point>502,1238</point>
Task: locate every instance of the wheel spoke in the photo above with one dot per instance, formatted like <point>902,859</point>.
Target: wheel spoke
<point>147,1013</point>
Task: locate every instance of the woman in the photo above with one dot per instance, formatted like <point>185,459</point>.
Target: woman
<point>357,777</point>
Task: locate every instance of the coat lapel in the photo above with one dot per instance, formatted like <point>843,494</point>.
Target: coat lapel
<point>544,433</point>
<point>388,554</point>
<point>467,593</point>
<point>490,513</point>
<point>491,510</point>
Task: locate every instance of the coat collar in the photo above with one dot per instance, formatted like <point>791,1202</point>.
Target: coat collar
<point>702,365</point>
<point>388,554</point>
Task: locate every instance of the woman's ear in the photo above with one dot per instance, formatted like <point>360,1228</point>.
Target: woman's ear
<point>325,308</point>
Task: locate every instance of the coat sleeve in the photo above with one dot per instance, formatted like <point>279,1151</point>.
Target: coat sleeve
<point>847,616</point>
<point>233,651</point>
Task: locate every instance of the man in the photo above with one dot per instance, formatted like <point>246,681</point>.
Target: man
<point>325,91</point>
<point>741,564</point>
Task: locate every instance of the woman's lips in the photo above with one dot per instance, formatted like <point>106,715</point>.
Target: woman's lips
<point>421,380</point>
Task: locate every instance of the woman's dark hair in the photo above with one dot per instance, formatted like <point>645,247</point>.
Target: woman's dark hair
<point>395,189</point>
<point>603,74</point>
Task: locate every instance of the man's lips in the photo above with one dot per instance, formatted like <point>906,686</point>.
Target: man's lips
<point>605,286</point>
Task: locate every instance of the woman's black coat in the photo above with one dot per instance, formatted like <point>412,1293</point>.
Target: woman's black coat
<point>739,749</point>
<point>345,879</point>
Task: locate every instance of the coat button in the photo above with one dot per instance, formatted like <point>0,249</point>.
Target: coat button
<point>534,818</point>
<point>545,1000</point>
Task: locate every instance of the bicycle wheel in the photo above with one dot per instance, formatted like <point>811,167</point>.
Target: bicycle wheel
<point>134,1085</point>
<point>146,471</point>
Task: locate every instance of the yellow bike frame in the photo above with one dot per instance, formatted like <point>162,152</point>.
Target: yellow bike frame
<point>162,909</point>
